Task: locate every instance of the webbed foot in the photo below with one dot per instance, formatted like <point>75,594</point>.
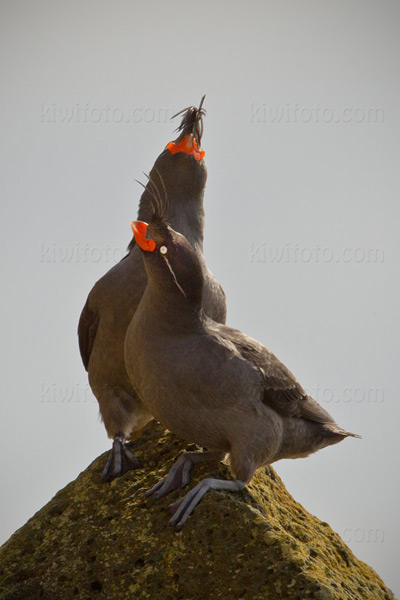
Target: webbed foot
<point>184,507</point>
<point>179,475</point>
<point>120,460</point>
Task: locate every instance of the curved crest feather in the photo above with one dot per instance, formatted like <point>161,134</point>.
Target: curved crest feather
<point>159,203</point>
<point>192,120</point>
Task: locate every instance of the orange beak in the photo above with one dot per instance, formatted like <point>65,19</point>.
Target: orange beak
<point>188,145</point>
<point>139,229</point>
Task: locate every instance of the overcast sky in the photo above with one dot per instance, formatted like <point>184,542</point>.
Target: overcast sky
<point>302,218</point>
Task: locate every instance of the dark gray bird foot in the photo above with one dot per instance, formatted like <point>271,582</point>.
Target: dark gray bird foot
<point>179,475</point>
<point>120,460</point>
<point>184,507</point>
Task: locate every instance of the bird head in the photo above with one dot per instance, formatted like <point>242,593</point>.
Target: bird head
<point>191,131</point>
<point>171,262</point>
<point>180,174</point>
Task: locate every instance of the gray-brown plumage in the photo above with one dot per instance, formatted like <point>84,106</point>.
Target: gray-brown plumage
<point>209,383</point>
<point>112,302</point>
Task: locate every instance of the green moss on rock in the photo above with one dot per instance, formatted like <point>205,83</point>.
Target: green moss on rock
<point>96,541</point>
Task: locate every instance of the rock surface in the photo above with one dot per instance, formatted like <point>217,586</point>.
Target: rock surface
<point>95,541</point>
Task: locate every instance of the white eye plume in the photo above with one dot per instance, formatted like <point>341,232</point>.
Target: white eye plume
<point>163,251</point>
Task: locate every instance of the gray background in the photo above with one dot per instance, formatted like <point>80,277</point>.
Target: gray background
<point>302,149</point>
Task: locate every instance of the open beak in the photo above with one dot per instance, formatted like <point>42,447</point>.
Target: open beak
<point>139,229</point>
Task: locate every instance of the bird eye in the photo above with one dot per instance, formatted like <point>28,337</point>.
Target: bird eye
<point>163,250</point>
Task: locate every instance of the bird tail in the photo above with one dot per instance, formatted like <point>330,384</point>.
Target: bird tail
<point>350,434</point>
<point>336,430</point>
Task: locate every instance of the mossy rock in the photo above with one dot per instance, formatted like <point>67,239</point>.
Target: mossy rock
<point>96,541</point>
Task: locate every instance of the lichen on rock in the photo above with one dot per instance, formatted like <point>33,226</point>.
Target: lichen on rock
<point>105,541</point>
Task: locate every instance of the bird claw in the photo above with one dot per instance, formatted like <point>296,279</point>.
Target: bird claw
<point>179,475</point>
<point>177,478</point>
<point>183,508</point>
<point>120,460</point>
<point>154,490</point>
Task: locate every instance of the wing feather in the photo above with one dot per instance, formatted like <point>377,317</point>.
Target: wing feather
<point>87,328</point>
<point>281,390</point>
